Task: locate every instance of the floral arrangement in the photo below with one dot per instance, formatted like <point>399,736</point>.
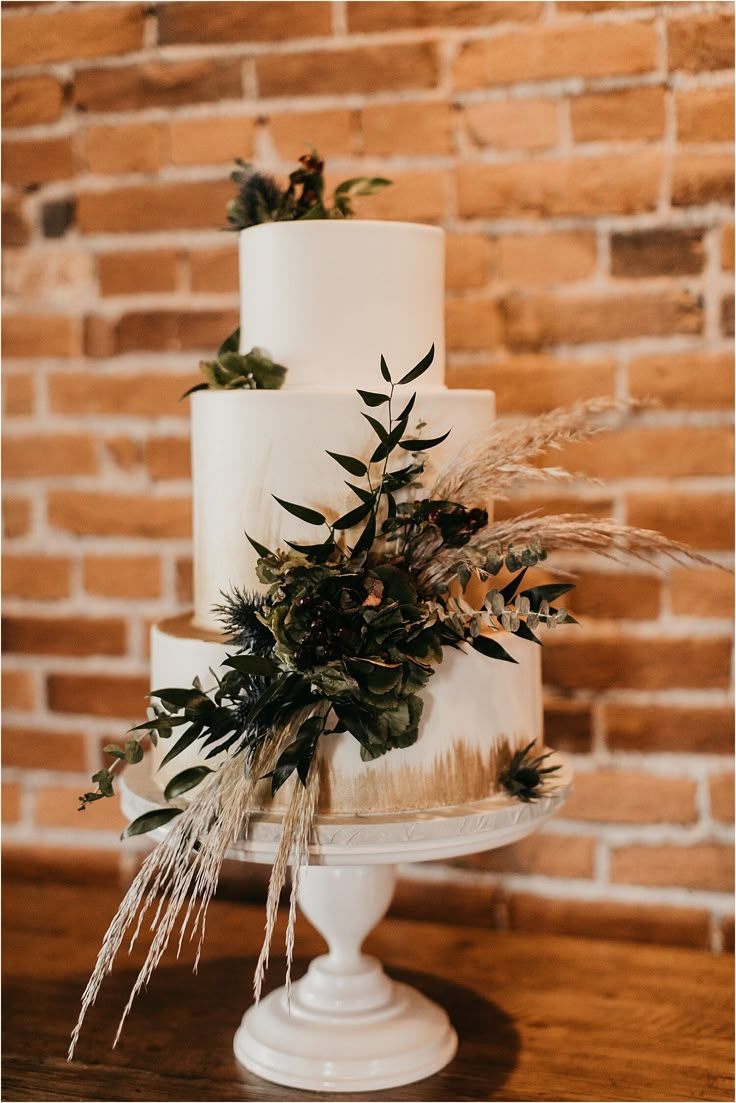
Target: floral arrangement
<point>345,638</point>
<point>260,199</point>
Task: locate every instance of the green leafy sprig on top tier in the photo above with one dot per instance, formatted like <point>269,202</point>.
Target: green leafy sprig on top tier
<point>234,370</point>
<point>260,199</point>
<point>347,636</point>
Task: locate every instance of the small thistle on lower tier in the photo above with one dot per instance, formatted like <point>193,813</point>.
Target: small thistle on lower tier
<point>525,776</point>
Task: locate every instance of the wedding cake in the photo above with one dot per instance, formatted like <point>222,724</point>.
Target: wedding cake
<point>328,299</point>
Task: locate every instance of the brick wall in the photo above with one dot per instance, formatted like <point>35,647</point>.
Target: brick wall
<point>580,157</point>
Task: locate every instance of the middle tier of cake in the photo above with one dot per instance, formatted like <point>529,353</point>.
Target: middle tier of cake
<point>477,712</point>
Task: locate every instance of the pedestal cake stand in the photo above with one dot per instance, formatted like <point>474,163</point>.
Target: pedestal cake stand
<point>347,1027</point>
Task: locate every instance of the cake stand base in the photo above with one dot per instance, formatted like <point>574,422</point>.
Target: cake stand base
<point>345,1026</point>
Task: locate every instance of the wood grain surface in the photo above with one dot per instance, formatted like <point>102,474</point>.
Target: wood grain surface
<point>539,1018</point>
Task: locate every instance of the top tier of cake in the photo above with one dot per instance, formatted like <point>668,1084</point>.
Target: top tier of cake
<point>328,298</point>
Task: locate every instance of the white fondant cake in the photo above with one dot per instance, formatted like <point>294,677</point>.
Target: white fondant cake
<point>327,299</point>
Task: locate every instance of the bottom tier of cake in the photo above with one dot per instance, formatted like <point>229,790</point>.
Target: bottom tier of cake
<point>477,712</point>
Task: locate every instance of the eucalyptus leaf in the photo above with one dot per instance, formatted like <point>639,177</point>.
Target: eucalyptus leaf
<point>149,821</point>
<point>262,550</point>
<point>384,370</point>
<point>423,445</point>
<point>373,398</point>
<point>404,415</point>
<point>185,781</point>
<point>354,517</point>
<point>386,447</point>
<point>367,536</point>
<point>350,463</point>
<point>310,516</point>
<point>420,369</point>
<point>380,431</point>
<point>361,492</point>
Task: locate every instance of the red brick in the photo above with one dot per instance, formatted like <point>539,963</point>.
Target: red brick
<point>213,270</point>
<point>86,31</point>
<point>666,452</point>
<point>567,725</point>
<point>545,855</point>
<point>413,196</point>
<point>330,132</point>
<point>122,576</point>
<point>194,204</point>
<point>703,866</point>
<point>536,384</point>
<point>211,141</point>
<point>362,69</point>
<point>610,919</point>
<point>705,520</point>
<point>42,335</point>
<point>184,582</point>
<point>53,274</point>
<point>235,22</point>
<point>406,128</point>
<point>38,577</point>
<point>150,394</point>
<point>49,454</point>
<point>104,514</point>
<point>701,592</point>
<point>702,178</point>
<point>546,53</point>
<point>622,796</point>
<point>18,690</point>
<point>30,100</point>
<point>727,315</point>
<point>17,516</point>
<point>727,933</point>
<point>468,260</point>
<point>11,801</point>
<point>15,227</point>
<point>705,115</point>
<point>18,392</point>
<point>173,330</point>
<point>727,248</point>
<point>39,749</point>
<point>64,635</point>
<point>538,321</point>
<point>138,272</point>
<point>665,252</point>
<point>641,728</point>
<point>100,336</point>
<point>117,695</point>
<point>721,797</point>
<point>126,454</point>
<point>472,323</point>
<point>703,41</point>
<point>544,258</point>
<point>625,184</point>
<point>58,806</point>
<point>613,596</point>
<point>115,150</point>
<point>158,84</point>
<point>689,380</point>
<point>626,114</point>
<point>631,663</point>
<point>30,163</point>
<point>513,124</point>
<point>364,15</point>
<point>168,457</point>
<point>554,504</point>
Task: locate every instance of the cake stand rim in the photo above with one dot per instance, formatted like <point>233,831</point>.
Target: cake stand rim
<point>387,838</point>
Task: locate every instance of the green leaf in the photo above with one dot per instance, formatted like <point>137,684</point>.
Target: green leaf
<point>133,751</point>
<point>404,415</point>
<point>319,552</point>
<point>255,665</point>
<point>492,649</point>
<point>354,516</point>
<point>298,755</point>
<point>386,447</point>
<point>548,592</point>
<point>104,782</point>
<point>196,387</point>
<point>183,742</point>
<point>420,369</point>
<point>422,445</point>
<point>178,697</point>
<point>511,587</point>
<point>526,633</point>
<point>355,467</point>
<point>373,398</point>
<point>185,781</point>
<point>361,492</point>
<point>367,536</point>
<point>115,750</point>
<point>380,431</point>
<point>311,516</point>
<point>149,821</point>
<point>361,185</point>
<point>384,370</point>
<point>262,550</point>
<point>231,343</point>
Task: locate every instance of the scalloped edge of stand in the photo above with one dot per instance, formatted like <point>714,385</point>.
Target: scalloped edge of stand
<point>388,837</point>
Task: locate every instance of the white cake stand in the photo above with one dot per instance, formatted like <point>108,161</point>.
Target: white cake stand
<point>348,1027</point>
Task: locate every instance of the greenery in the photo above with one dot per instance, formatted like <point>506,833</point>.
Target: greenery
<point>260,199</point>
<point>347,636</point>
<point>234,370</point>
<point>525,775</point>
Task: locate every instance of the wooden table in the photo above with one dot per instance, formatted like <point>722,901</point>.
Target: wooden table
<point>539,1018</point>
